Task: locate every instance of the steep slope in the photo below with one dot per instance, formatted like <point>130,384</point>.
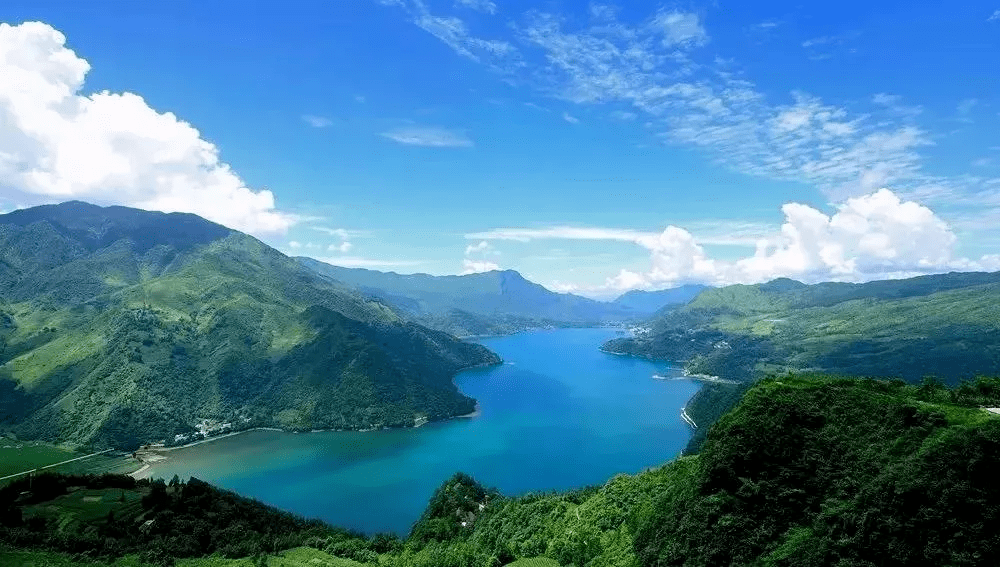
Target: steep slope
<point>485,303</point>
<point>119,326</point>
<point>649,302</point>
<point>943,325</point>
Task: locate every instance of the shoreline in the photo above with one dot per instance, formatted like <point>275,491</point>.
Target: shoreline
<point>143,471</point>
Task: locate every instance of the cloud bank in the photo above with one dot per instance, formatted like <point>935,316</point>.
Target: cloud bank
<point>58,143</point>
<point>873,236</point>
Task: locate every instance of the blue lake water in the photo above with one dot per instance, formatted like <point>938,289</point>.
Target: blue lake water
<point>558,414</point>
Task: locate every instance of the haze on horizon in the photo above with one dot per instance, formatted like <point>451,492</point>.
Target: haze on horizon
<point>595,148</point>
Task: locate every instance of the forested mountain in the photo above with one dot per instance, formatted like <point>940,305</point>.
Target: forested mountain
<point>806,471</point>
<point>649,302</point>
<point>943,325</point>
<point>120,326</point>
<point>494,302</point>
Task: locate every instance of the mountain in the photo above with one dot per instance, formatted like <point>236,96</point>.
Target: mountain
<point>807,471</point>
<point>494,302</point>
<point>649,302</point>
<point>943,325</point>
<point>120,326</point>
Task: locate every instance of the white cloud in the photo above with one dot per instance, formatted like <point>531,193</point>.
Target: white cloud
<point>473,265</point>
<point>476,248</point>
<point>429,136</point>
<point>317,121</point>
<point>294,245</point>
<point>455,34</point>
<point>477,266</point>
<point>874,236</point>
<point>680,29</point>
<point>343,234</point>
<point>58,143</point>
<point>886,99</point>
<point>995,16</point>
<point>487,6</point>
<point>571,119</point>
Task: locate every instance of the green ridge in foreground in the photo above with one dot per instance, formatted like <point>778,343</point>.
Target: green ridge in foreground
<point>805,471</point>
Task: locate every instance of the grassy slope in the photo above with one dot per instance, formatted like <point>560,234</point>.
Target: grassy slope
<point>19,456</point>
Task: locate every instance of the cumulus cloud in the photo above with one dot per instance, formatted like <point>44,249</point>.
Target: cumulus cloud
<point>59,143</point>
<point>474,248</point>
<point>570,118</point>
<point>429,136</point>
<point>873,236</point>
<point>994,17</point>
<point>474,261</point>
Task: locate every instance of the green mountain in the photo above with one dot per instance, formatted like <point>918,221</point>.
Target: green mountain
<point>496,302</point>
<point>806,471</point>
<point>649,302</point>
<point>120,326</point>
<point>942,325</point>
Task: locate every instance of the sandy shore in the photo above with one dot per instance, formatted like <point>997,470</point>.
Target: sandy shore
<point>475,413</point>
<point>687,418</point>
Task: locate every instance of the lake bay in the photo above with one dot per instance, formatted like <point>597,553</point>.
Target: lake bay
<point>558,414</point>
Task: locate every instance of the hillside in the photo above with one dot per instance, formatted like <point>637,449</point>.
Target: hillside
<point>806,471</point>
<point>120,326</point>
<point>943,325</point>
<point>497,302</point>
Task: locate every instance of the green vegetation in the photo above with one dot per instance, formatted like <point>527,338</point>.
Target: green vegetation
<point>120,327</point>
<point>805,471</point>
<point>19,456</point>
<point>939,325</point>
<point>490,303</point>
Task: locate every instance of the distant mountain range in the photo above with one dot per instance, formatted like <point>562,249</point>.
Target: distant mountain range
<point>495,302</point>
<point>648,302</point>
<point>120,326</point>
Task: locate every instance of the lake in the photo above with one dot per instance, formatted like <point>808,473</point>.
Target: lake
<point>558,414</point>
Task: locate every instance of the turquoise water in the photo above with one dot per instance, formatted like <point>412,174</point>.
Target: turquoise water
<point>558,414</point>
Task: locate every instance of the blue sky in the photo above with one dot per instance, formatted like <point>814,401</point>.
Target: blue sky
<point>594,147</point>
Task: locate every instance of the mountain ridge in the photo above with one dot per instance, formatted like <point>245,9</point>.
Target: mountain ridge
<point>111,335</point>
<point>494,302</point>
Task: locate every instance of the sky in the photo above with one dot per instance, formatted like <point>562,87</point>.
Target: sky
<point>594,147</point>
